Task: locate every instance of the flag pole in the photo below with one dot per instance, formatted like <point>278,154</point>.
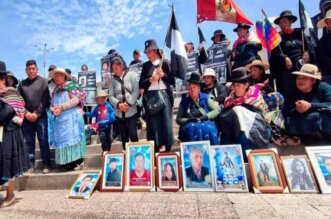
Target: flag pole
<point>165,40</point>
<point>303,40</point>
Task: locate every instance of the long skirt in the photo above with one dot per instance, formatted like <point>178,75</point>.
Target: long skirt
<point>198,131</point>
<point>305,124</point>
<point>14,156</point>
<point>159,125</point>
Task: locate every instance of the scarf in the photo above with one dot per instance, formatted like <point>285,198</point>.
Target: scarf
<point>73,88</point>
<point>241,40</point>
<point>287,31</point>
<point>253,98</point>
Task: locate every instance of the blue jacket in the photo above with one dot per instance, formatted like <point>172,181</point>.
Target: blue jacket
<point>108,120</point>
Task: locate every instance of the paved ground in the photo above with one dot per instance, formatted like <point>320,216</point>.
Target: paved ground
<point>53,204</point>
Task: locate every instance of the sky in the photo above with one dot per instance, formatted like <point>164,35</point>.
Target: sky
<point>83,31</point>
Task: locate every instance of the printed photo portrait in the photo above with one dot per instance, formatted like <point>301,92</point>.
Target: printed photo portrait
<point>169,172</point>
<point>196,166</point>
<point>90,97</point>
<point>82,81</point>
<point>113,169</point>
<point>105,80</point>
<point>84,185</point>
<point>298,174</point>
<point>140,166</point>
<point>324,161</point>
<point>267,174</point>
<point>229,169</point>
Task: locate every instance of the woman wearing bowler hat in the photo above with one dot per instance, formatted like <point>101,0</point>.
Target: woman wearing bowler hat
<point>14,157</point>
<point>196,113</point>
<point>243,51</point>
<point>285,58</point>
<point>242,121</point>
<point>157,79</point>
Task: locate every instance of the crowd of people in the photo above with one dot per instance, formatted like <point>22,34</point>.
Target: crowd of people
<point>250,109</point>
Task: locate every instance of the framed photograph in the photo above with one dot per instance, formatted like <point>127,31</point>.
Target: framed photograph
<point>299,176</point>
<point>228,168</point>
<point>320,158</point>
<point>113,172</point>
<point>84,185</point>
<point>196,166</point>
<point>140,166</point>
<point>168,172</point>
<point>266,171</point>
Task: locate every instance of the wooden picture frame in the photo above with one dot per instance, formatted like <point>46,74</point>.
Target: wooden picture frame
<point>113,169</point>
<point>299,175</point>
<point>199,153</point>
<point>228,168</point>
<point>266,171</point>
<point>320,158</point>
<point>89,179</point>
<point>140,160</point>
<point>168,175</point>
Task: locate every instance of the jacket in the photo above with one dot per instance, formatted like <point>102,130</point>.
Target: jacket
<point>324,55</point>
<point>131,93</point>
<point>104,119</point>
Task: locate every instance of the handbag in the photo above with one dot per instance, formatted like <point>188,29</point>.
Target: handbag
<point>155,103</point>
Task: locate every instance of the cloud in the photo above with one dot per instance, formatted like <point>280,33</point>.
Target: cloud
<point>87,28</point>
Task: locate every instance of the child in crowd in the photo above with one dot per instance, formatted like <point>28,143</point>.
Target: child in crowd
<point>105,117</point>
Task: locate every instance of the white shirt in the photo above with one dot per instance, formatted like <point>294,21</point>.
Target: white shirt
<point>157,85</point>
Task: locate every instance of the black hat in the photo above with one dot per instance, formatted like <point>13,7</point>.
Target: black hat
<point>241,25</point>
<point>288,14</point>
<point>112,160</point>
<point>239,75</point>
<point>51,67</point>
<point>150,44</point>
<point>3,70</point>
<point>136,51</point>
<point>68,71</point>
<point>10,74</point>
<point>218,32</point>
<point>194,78</point>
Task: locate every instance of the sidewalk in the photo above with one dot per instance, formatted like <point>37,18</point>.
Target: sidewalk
<point>53,204</point>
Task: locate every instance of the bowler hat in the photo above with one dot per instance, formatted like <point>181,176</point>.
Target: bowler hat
<point>150,45</point>
<point>3,70</point>
<point>309,70</point>
<point>194,78</point>
<point>68,71</point>
<point>241,25</point>
<point>239,75</point>
<point>218,32</point>
<point>288,14</point>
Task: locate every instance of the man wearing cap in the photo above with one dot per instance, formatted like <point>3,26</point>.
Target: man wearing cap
<point>136,57</point>
<point>210,86</point>
<point>244,51</point>
<point>35,93</point>
<point>285,57</point>
<point>324,48</point>
<point>311,115</point>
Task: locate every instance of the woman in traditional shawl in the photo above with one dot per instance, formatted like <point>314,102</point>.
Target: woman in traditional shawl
<point>66,132</point>
<point>14,157</point>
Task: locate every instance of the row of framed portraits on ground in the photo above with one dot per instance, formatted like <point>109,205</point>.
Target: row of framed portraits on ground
<point>202,167</point>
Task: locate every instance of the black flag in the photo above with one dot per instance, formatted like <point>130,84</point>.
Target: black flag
<point>307,25</point>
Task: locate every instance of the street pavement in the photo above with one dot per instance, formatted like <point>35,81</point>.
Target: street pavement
<point>53,204</point>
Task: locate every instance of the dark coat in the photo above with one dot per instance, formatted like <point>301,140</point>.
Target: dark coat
<point>268,89</point>
<point>290,46</point>
<point>113,178</point>
<point>217,92</point>
<point>324,56</point>
<point>246,54</point>
<point>190,174</point>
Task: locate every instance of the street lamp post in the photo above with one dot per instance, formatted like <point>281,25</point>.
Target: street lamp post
<point>45,51</point>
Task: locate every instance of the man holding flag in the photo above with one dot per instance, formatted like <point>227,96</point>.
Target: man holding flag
<point>285,57</point>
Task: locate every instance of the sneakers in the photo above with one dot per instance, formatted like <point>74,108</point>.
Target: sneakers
<point>79,167</point>
<point>46,169</point>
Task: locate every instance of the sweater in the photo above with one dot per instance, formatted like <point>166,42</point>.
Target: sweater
<point>104,114</point>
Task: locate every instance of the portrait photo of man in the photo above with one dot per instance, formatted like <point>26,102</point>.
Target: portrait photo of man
<point>114,175</point>
<point>85,186</point>
<point>140,176</point>
<point>327,164</point>
<point>196,172</point>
